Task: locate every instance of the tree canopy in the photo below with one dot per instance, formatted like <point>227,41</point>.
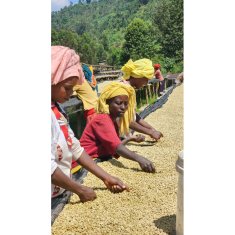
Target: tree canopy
<point>116,30</point>
<point>169,20</point>
<point>140,41</point>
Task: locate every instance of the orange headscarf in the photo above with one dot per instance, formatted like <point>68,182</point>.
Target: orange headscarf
<point>65,63</point>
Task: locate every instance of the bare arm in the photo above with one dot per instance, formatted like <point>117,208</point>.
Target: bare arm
<point>143,123</point>
<point>136,138</point>
<point>144,128</point>
<point>112,183</point>
<point>60,179</point>
<point>144,163</point>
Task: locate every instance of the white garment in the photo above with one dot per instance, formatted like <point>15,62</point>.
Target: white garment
<point>61,155</point>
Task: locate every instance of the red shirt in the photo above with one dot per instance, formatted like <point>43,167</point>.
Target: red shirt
<point>100,137</point>
<point>158,75</point>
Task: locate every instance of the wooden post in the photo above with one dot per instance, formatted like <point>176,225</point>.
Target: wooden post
<point>157,88</point>
<point>166,83</point>
<point>146,94</point>
<point>149,91</point>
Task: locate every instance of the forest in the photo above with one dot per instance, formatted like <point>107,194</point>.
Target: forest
<point>117,30</point>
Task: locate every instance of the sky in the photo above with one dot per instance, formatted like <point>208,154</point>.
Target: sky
<point>56,5</point>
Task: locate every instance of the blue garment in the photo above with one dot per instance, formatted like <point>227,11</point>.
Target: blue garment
<point>87,72</point>
<point>88,75</point>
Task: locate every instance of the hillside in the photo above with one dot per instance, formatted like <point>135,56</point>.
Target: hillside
<point>97,17</point>
<point>98,30</point>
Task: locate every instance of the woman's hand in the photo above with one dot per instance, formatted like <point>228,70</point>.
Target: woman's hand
<point>60,179</point>
<point>146,165</point>
<point>86,194</point>
<point>156,134</point>
<point>138,138</point>
<point>115,185</point>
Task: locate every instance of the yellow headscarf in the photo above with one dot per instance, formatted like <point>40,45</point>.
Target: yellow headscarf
<point>114,89</point>
<point>138,69</point>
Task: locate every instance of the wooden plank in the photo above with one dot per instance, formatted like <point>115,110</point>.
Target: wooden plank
<point>109,72</point>
<point>110,76</point>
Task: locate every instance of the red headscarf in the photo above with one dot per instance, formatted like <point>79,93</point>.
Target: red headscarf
<point>65,63</point>
<point>157,66</point>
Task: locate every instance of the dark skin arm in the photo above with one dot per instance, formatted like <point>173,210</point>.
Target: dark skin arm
<point>114,184</point>
<point>144,128</point>
<point>144,163</point>
<point>85,193</point>
<point>136,138</point>
<point>60,179</point>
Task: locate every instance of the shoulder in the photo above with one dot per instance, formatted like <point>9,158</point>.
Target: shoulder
<point>100,124</point>
<point>101,121</point>
<point>102,117</point>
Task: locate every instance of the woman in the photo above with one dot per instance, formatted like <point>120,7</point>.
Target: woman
<point>88,97</point>
<point>90,77</point>
<point>101,136</point>
<point>137,74</point>
<point>66,73</point>
<point>158,75</point>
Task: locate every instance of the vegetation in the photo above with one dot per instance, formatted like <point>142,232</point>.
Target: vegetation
<point>116,30</point>
<point>140,41</point>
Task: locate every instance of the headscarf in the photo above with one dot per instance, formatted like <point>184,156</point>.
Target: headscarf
<point>87,72</point>
<point>65,63</point>
<point>114,89</point>
<point>89,76</point>
<point>138,69</point>
<point>157,66</point>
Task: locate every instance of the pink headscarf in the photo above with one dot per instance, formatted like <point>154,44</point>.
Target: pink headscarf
<point>65,63</point>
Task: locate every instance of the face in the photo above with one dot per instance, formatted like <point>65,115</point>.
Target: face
<point>138,82</point>
<point>63,90</point>
<point>118,105</point>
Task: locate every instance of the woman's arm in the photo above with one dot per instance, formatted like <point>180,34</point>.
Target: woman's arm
<point>144,163</point>
<point>112,183</point>
<point>60,179</point>
<point>143,123</point>
<point>145,128</point>
<point>136,138</point>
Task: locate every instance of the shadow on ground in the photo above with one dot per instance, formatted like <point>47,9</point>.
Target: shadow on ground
<point>144,143</point>
<point>167,224</point>
<point>116,163</point>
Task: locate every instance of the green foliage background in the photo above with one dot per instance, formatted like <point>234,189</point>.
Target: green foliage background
<point>116,30</point>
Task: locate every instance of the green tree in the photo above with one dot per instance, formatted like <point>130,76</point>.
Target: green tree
<point>169,20</point>
<point>140,40</point>
<point>81,27</point>
<point>105,42</point>
<point>105,24</point>
<point>114,56</point>
<point>65,38</point>
<point>88,49</point>
<point>101,54</point>
<point>144,1</point>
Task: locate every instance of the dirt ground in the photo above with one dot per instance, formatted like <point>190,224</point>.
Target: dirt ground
<point>150,206</point>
